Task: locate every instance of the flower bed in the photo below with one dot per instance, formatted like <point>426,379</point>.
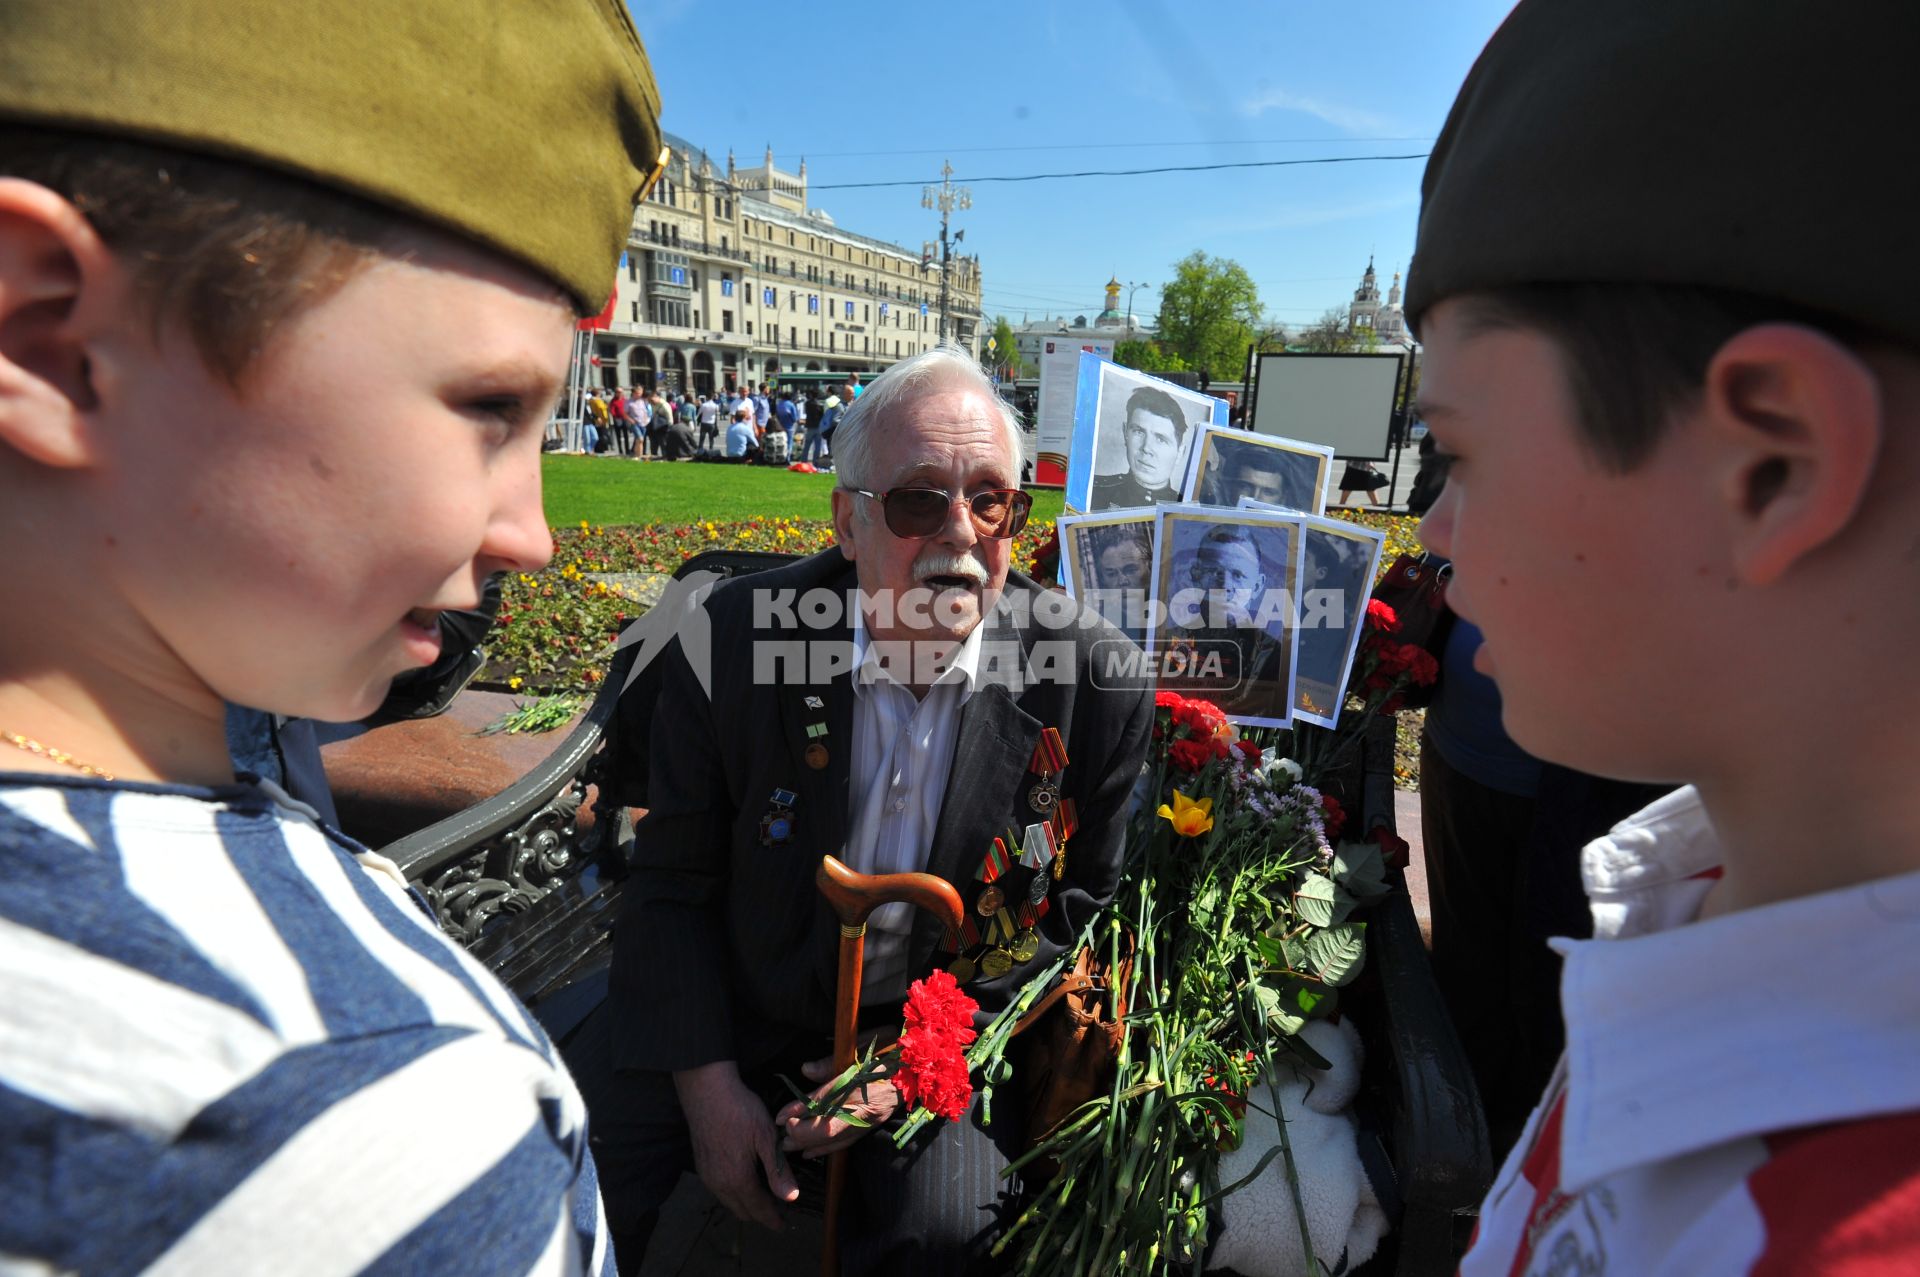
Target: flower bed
<point>556,627</point>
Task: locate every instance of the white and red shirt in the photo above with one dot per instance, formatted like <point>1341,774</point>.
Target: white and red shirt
<point>1739,1094</point>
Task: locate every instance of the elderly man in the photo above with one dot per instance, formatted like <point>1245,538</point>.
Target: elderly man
<point>881,701</point>
<point>1154,430</point>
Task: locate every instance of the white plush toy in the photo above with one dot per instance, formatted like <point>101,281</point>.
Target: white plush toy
<point>1258,1234</point>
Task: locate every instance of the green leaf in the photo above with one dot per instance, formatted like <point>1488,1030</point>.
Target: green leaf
<point>1322,901</point>
<point>1337,954</point>
<point>1359,867</point>
<point>1275,1010</point>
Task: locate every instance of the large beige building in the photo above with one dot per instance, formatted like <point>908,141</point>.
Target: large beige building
<point>730,278</point>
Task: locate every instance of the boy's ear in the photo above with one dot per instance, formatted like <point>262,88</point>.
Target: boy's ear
<point>1800,416</point>
<point>53,268</point>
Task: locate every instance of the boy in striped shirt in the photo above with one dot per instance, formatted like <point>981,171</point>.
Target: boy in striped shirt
<point>1679,386</point>
<point>286,295</point>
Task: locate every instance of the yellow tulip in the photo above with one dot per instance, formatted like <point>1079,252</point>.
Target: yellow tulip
<point>1189,819</point>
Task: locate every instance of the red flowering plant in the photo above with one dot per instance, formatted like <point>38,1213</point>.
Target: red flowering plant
<point>1384,668</point>
<point>927,1062</point>
<point>1238,913</point>
<point>1045,567</point>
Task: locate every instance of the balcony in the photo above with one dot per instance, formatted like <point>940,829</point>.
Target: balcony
<point>690,336</point>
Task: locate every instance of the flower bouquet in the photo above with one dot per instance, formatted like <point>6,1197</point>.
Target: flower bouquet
<point>1234,926</point>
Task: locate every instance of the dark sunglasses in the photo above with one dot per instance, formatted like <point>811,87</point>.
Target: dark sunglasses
<point>912,513</point>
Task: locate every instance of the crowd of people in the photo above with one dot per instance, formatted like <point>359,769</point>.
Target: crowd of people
<point>751,424</point>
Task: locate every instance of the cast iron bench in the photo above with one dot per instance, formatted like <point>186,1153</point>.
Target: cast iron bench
<point>534,896</point>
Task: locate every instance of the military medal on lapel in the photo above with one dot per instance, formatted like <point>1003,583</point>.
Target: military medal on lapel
<point>776,826</point>
<point>1049,760</point>
<point>1001,930</point>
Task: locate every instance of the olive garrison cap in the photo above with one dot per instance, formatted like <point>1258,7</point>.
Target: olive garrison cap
<point>528,126</point>
<point>1762,146</point>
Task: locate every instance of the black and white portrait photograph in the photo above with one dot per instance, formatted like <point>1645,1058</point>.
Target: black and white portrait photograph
<point>1231,466</point>
<point>1131,438</point>
<point>1223,609</point>
<point>1106,561</point>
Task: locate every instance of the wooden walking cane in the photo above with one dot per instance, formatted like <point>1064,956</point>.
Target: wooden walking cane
<point>854,896</point>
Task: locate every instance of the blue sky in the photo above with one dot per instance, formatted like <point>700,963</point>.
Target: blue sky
<point>870,93</point>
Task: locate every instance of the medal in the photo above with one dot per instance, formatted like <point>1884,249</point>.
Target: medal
<point>996,963</point>
<point>990,901</point>
<point>1043,796</point>
<point>1000,928</point>
<point>1037,889</point>
<point>961,969</point>
<point>816,756</point>
<point>776,827</point>
<point>1026,946</point>
<point>814,702</point>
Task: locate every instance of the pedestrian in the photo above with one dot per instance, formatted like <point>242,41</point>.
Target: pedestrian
<point>622,426</point>
<point>637,423</point>
<point>709,422</point>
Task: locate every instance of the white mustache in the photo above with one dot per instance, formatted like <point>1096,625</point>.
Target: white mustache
<point>949,564</point>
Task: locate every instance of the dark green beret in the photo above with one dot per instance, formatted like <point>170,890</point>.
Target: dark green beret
<point>1763,146</point>
<point>528,126</point>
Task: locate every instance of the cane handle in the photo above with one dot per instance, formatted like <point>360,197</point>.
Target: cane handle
<point>854,896</point>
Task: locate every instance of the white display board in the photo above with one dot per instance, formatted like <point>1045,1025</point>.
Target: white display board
<point>1059,381</point>
<point>1342,401</point>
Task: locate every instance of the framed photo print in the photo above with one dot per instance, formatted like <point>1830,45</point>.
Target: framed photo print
<point>1221,624</point>
<point>1131,433</point>
<point>1338,562</point>
<point>1228,466</point>
<point>1106,561</point>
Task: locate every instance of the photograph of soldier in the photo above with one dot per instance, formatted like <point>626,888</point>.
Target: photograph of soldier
<point>1338,561</point>
<point>1229,466</point>
<point>1137,433</point>
<point>1225,633</point>
<point>1107,562</point>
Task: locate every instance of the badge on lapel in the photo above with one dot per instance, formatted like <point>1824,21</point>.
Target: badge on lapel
<point>776,827</point>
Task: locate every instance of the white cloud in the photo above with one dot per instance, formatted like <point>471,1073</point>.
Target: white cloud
<point>1352,119</point>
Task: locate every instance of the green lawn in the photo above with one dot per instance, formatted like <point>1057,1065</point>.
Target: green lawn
<point>614,491</point>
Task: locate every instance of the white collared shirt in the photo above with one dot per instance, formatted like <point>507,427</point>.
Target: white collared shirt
<point>902,754</point>
<point>1739,1094</point>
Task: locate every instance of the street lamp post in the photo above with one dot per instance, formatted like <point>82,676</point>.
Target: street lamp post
<point>1132,288</point>
<point>946,197</point>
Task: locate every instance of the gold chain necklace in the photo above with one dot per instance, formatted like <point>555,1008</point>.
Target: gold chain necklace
<point>60,756</point>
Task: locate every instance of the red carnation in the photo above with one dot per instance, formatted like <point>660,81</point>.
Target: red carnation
<point>1335,817</point>
<point>1382,617</point>
<point>1168,700</point>
<point>933,1062</point>
<point>1249,751</point>
<point>1190,755</point>
<point>1421,667</point>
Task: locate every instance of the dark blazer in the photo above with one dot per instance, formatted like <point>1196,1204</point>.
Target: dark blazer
<point>726,949</point>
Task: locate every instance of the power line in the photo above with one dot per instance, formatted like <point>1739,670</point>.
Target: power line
<point>1130,172</point>
<point>1103,146</point>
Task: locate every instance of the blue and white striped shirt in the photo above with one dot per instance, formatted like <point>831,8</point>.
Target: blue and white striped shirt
<point>229,1046</point>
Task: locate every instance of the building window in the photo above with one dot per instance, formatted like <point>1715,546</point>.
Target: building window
<point>866,314</point>
<point>749,328</point>
<point>790,239</point>
<point>793,336</point>
<point>866,344</point>
<point>633,270</point>
<point>896,348</point>
<point>723,243</point>
<point>831,339</point>
<point>635,308</point>
<point>676,235</point>
<point>726,321</point>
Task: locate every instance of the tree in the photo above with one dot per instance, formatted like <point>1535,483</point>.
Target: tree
<point>1327,334</point>
<point>1146,356</point>
<point>1005,355</point>
<point>1209,315</point>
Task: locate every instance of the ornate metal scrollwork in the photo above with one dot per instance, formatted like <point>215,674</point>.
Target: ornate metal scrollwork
<point>509,873</point>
